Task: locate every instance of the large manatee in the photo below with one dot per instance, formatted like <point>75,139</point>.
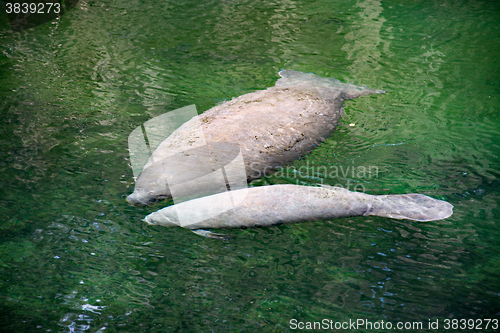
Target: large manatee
<point>272,127</point>
<point>266,206</point>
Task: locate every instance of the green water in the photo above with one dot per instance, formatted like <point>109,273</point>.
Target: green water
<point>75,257</point>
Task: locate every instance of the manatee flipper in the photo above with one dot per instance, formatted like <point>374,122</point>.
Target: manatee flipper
<point>417,207</point>
<point>209,234</point>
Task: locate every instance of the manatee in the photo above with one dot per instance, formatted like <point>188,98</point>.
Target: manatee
<point>272,205</point>
<point>272,127</point>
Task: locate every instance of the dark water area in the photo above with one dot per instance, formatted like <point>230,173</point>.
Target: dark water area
<point>76,257</point>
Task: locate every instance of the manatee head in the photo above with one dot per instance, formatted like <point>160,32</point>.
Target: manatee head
<point>166,217</point>
<point>144,198</point>
<point>150,187</point>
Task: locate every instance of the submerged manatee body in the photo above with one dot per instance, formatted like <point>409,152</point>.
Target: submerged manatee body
<point>266,206</point>
<point>272,127</point>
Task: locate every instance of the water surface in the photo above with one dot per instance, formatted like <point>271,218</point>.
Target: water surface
<point>75,257</point>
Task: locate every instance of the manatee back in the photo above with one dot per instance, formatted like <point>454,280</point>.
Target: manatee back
<point>275,126</point>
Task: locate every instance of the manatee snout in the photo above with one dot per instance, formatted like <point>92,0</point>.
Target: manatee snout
<point>142,198</point>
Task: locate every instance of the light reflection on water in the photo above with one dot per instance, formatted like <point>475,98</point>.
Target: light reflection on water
<point>75,257</point>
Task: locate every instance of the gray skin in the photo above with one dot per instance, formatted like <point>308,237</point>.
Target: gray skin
<point>272,127</point>
<point>282,204</point>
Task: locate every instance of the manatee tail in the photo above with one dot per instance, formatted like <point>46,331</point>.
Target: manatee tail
<point>417,207</point>
<point>349,91</point>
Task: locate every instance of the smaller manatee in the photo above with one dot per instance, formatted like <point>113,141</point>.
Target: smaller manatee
<point>282,204</point>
